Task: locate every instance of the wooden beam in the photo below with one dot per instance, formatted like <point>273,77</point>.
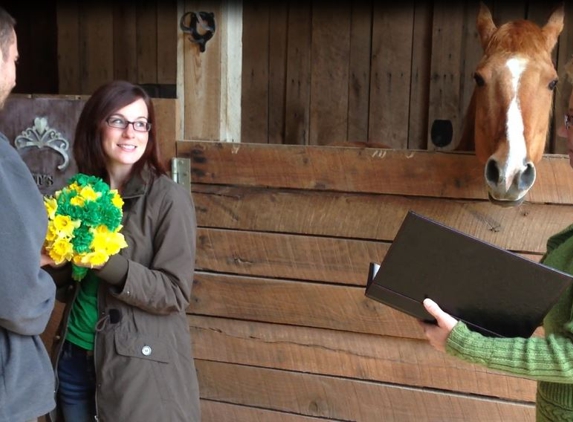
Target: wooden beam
<point>231,30</point>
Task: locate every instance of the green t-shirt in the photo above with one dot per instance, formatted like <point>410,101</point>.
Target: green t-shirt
<point>84,314</point>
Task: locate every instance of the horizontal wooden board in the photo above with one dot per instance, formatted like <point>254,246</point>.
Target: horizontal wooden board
<point>335,398</point>
<point>297,303</point>
<point>286,235</point>
<point>365,357</point>
<point>373,216</point>
<point>367,170</point>
<point>212,411</point>
<point>275,255</point>
<point>341,261</point>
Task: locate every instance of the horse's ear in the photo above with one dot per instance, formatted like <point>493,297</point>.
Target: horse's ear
<point>554,26</point>
<point>485,25</point>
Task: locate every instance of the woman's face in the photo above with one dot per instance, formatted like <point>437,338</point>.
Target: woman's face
<point>123,147</point>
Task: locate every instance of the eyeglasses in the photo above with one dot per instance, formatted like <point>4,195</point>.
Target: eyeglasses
<point>568,121</point>
<point>121,123</point>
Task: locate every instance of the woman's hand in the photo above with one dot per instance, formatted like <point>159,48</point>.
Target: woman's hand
<point>438,333</point>
<point>45,259</point>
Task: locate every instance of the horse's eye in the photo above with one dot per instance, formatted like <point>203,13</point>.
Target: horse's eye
<point>479,80</point>
<point>552,84</point>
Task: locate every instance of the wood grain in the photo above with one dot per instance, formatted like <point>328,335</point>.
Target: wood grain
<point>343,399</point>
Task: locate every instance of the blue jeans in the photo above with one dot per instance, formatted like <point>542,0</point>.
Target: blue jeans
<point>76,389</point>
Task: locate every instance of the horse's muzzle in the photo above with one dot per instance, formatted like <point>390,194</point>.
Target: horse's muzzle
<point>507,187</point>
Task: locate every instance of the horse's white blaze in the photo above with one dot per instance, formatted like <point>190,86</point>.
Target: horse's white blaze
<point>517,151</point>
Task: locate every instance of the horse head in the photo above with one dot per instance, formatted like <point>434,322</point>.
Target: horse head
<point>507,121</point>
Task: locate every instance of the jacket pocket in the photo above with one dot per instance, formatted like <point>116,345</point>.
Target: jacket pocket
<point>142,346</point>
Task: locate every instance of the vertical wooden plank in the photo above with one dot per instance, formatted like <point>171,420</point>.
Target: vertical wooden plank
<point>393,28</point>
<point>564,54</point>
<point>124,40</point>
<point>68,18</point>
<point>445,88</point>
<point>359,70</point>
<point>96,54</point>
<point>255,87</point>
<point>329,72</point>
<point>539,10</point>
<point>472,53</point>
<point>277,72</point>
<point>505,11</point>
<point>231,70</point>
<point>146,36</point>
<point>298,74</point>
<point>167,116</point>
<point>167,26</point>
<point>472,50</point>
<point>203,78</point>
<point>419,82</point>
<point>180,83</point>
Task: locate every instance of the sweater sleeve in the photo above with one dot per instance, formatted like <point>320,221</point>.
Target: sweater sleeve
<point>27,292</point>
<point>541,359</point>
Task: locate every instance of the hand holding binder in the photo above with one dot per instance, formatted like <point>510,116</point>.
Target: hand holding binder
<point>438,333</point>
<point>494,291</point>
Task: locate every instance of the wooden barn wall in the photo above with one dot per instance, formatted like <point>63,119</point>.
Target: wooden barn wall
<point>315,73</point>
<point>281,328</point>
<point>127,39</point>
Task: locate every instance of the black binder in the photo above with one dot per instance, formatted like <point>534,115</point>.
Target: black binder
<point>494,291</point>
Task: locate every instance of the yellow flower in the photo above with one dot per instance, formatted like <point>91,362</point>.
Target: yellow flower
<point>92,259</point>
<point>78,201</point>
<point>116,242</point>
<point>116,200</point>
<point>89,194</point>
<point>74,186</point>
<point>106,241</point>
<point>61,250</point>
<point>65,225</point>
<point>51,207</point>
<point>52,232</point>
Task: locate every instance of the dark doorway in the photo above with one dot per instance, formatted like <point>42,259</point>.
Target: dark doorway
<point>36,28</point>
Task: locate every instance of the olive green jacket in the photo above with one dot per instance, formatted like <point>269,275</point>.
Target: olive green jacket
<point>142,349</point>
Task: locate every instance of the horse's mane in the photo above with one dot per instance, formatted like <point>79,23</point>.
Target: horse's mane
<point>518,36</point>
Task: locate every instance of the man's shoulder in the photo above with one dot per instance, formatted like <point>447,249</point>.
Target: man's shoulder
<point>5,146</point>
<point>4,142</point>
<point>11,163</point>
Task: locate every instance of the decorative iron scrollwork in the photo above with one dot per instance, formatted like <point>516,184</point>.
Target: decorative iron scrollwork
<point>201,27</point>
<point>40,136</point>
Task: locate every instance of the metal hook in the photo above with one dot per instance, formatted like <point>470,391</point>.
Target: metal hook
<point>206,20</point>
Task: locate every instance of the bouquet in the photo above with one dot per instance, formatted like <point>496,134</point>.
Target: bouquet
<point>84,223</point>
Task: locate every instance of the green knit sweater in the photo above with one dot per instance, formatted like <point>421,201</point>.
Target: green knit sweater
<point>547,360</point>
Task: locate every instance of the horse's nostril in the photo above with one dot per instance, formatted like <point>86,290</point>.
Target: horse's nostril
<point>492,171</point>
<point>527,177</point>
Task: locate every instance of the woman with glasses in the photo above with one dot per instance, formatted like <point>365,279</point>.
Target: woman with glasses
<point>123,349</point>
<point>547,360</point>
